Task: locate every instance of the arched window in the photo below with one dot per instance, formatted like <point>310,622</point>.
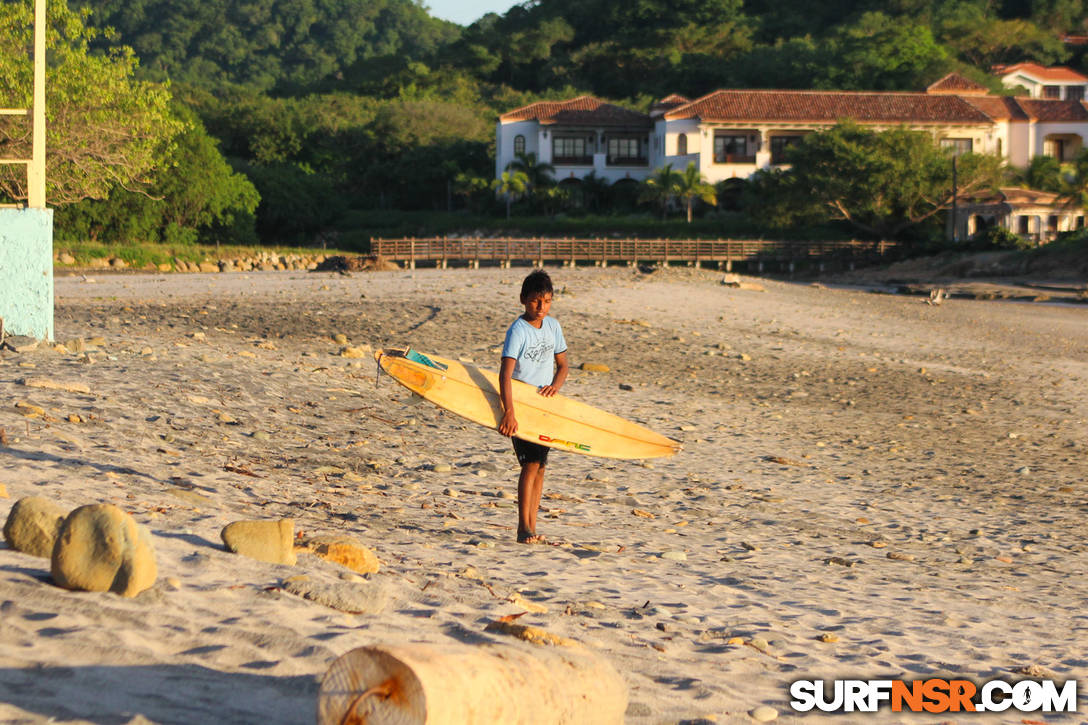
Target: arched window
<point>682,144</point>
<point>519,144</point>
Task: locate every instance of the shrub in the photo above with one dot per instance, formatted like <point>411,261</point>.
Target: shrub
<point>1002,238</point>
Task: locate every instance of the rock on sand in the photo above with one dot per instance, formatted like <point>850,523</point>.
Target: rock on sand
<point>271,541</point>
<point>345,551</point>
<point>32,526</point>
<point>101,548</point>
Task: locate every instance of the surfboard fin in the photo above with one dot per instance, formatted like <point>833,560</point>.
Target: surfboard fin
<point>424,360</point>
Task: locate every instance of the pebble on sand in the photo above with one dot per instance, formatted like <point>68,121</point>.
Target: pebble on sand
<point>101,548</point>
<point>359,352</point>
<point>271,541</point>
<point>764,713</point>
<point>33,524</point>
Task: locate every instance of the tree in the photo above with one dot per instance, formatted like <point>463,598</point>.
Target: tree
<point>471,187</point>
<point>511,185</point>
<point>983,40</point>
<point>1043,173</point>
<point>195,196</point>
<point>200,190</point>
<point>594,191</point>
<point>104,129</point>
<point>269,44</point>
<point>690,185</point>
<point>879,53</point>
<point>539,174</point>
<point>879,182</point>
<point>660,188</point>
<point>1074,183</point>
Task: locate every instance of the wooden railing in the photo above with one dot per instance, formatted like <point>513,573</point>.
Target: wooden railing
<point>442,250</point>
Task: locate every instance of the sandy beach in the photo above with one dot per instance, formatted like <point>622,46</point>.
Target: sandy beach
<point>870,487</point>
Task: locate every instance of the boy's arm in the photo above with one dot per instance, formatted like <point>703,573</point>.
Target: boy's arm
<point>561,370</point>
<point>508,426</point>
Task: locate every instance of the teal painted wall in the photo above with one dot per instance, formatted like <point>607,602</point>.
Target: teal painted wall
<point>26,272</point>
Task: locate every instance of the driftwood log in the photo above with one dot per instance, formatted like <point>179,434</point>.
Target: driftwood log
<point>470,685</point>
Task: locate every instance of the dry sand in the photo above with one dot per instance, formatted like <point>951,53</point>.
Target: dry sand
<point>905,480</point>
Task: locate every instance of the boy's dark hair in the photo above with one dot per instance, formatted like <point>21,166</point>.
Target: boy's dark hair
<point>537,283</point>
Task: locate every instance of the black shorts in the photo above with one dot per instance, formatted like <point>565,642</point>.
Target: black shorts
<point>529,452</point>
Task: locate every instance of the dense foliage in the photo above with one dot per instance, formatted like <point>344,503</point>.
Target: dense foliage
<point>340,111</point>
<point>105,129</point>
<point>194,196</point>
<point>694,46</point>
<point>268,44</point>
<point>880,183</point>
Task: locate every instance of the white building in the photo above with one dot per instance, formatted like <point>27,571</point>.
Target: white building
<point>733,133</point>
<point>581,136</point>
<point>1035,215</point>
<point>1049,82</point>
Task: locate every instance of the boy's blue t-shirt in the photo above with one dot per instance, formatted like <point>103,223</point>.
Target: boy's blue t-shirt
<point>534,350</point>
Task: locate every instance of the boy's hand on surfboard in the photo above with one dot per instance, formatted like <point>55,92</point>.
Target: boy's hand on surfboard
<point>549,391</point>
<point>509,425</point>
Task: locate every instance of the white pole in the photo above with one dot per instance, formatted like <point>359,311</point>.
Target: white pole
<point>36,170</point>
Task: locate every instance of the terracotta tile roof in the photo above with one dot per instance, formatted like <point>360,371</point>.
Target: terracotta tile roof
<point>580,111</point>
<point>673,99</point>
<point>956,84</point>
<point>1012,198</point>
<point>1045,73</point>
<point>1057,111</point>
<point>999,108</point>
<point>669,102</point>
<point>829,107</point>
<point>1016,195</point>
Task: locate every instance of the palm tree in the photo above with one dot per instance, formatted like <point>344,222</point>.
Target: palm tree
<point>660,188</point>
<point>538,174</point>
<point>594,190</point>
<point>1074,182</point>
<point>691,185</point>
<point>512,185</point>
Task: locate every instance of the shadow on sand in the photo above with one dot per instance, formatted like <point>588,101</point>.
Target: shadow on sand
<point>114,695</point>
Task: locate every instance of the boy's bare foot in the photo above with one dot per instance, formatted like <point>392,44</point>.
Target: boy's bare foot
<point>529,537</point>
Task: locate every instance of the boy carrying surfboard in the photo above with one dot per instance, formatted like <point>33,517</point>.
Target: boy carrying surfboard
<point>534,352</point>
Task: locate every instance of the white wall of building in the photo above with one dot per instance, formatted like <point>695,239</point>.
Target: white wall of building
<point>1035,85</point>
<point>505,133</point>
<point>1072,133</point>
<point>1018,151</point>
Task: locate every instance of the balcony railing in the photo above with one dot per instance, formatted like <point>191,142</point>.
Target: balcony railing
<point>628,161</point>
<point>572,160</point>
<point>734,159</point>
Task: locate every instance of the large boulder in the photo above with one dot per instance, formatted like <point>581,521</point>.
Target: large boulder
<point>101,548</point>
<point>32,526</point>
<point>271,541</point>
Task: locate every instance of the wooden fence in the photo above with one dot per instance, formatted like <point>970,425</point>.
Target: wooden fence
<point>442,251</point>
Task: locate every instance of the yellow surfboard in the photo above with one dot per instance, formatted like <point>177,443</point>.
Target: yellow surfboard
<point>556,422</point>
